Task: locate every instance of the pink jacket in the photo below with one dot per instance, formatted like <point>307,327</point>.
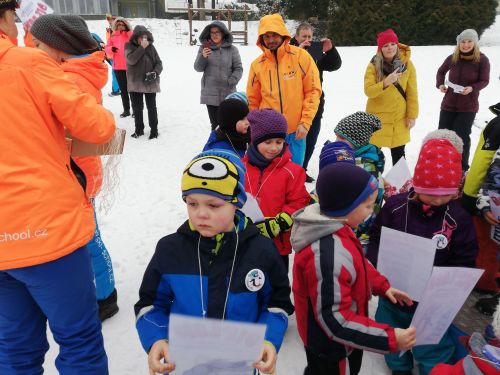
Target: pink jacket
<point>118,40</point>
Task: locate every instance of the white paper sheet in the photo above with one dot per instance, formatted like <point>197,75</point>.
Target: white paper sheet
<point>495,204</point>
<point>252,210</point>
<point>446,292</point>
<point>406,260</point>
<point>210,346</point>
<point>30,10</point>
<point>456,88</point>
<point>399,174</point>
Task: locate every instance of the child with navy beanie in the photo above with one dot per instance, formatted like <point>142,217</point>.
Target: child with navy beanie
<point>272,178</point>
<point>332,279</point>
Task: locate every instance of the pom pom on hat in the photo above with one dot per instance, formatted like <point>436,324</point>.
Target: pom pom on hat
<point>266,124</point>
<point>387,36</point>
<point>439,168</point>
<point>450,135</point>
<point>341,187</point>
<point>219,173</point>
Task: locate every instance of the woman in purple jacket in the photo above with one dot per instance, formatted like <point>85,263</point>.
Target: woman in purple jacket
<point>469,72</point>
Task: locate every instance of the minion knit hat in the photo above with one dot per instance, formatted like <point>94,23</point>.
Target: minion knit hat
<point>219,173</point>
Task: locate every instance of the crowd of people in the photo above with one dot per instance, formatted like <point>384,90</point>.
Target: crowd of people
<point>55,268</point>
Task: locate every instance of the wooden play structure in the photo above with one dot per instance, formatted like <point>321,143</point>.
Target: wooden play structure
<point>223,14</point>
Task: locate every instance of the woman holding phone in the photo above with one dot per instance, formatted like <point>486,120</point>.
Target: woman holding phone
<point>144,67</point>
<point>391,88</point>
<point>220,62</point>
<point>469,72</point>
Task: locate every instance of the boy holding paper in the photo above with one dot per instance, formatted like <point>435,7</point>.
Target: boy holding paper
<point>217,265</point>
<point>333,281</point>
<point>429,210</point>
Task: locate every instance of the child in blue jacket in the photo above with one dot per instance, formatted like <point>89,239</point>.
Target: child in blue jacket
<point>233,129</point>
<point>218,254</point>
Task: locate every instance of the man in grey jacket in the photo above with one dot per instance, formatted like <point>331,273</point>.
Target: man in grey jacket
<point>221,65</point>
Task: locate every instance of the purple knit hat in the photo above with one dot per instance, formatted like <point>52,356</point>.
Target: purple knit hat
<point>266,124</point>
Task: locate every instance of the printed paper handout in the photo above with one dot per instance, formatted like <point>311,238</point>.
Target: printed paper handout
<point>211,346</point>
<point>446,292</point>
<point>406,260</point>
<point>456,88</point>
<point>252,210</point>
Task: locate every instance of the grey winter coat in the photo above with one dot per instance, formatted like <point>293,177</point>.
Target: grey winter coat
<point>141,61</point>
<point>222,70</point>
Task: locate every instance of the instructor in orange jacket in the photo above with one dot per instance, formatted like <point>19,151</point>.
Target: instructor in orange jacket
<point>286,79</point>
<point>45,216</point>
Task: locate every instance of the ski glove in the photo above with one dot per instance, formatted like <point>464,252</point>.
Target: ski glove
<point>114,49</point>
<point>150,77</point>
<point>271,227</point>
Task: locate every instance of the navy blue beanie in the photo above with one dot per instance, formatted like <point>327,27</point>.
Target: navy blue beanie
<point>336,152</point>
<point>341,187</point>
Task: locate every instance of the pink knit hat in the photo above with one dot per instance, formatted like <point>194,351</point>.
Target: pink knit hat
<point>385,37</point>
<point>439,168</point>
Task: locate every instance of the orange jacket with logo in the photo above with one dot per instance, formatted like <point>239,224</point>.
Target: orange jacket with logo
<point>44,213</point>
<point>90,73</point>
<point>286,81</point>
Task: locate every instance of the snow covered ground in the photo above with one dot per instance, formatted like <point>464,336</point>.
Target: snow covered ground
<point>148,201</point>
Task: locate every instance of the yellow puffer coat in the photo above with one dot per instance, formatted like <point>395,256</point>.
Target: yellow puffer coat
<point>390,106</point>
<point>287,81</point>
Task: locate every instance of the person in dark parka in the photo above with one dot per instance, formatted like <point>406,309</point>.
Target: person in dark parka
<point>144,67</point>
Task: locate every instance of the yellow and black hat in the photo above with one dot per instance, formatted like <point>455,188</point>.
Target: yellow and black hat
<point>219,173</point>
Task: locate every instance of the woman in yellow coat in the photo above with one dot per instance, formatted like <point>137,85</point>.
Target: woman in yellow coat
<point>391,88</point>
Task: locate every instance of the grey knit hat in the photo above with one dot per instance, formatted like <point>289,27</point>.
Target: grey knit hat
<point>468,34</point>
<point>66,33</point>
<point>358,128</point>
<point>447,134</point>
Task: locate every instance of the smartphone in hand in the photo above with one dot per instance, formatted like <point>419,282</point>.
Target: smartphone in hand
<point>208,44</point>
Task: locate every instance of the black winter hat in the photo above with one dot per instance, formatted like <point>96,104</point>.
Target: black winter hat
<point>230,112</point>
<point>66,33</point>
<point>341,187</point>
<point>9,4</point>
<point>358,128</point>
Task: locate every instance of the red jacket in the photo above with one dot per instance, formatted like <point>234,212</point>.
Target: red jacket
<point>118,39</point>
<point>278,188</point>
<point>332,284</point>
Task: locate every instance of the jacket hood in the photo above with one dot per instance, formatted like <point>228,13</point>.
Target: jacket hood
<point>404,52</point>
<point>273,23</point>
<point>121,19</point>
<point>140,30</point>
<point>227,39</point>
<point>91,67</point>
<point>310,225</point>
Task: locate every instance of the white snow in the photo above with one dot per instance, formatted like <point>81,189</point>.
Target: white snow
<point>148,202</point>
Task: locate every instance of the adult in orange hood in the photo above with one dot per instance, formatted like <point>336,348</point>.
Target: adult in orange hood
<point>46,218</point>
<point>286,79</point>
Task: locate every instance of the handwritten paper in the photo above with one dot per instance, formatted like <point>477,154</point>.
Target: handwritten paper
<point>30,10</point>
<point>406,260</point>
<point>211,346</point>
<point>399,174</point>
<point>444,295</point>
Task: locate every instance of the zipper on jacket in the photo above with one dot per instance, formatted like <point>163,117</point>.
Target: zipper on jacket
<point>261,173</point>
<point>279,85</point>
<point>270,84</point>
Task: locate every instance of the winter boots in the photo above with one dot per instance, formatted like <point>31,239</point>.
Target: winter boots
<point>108,307</point>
